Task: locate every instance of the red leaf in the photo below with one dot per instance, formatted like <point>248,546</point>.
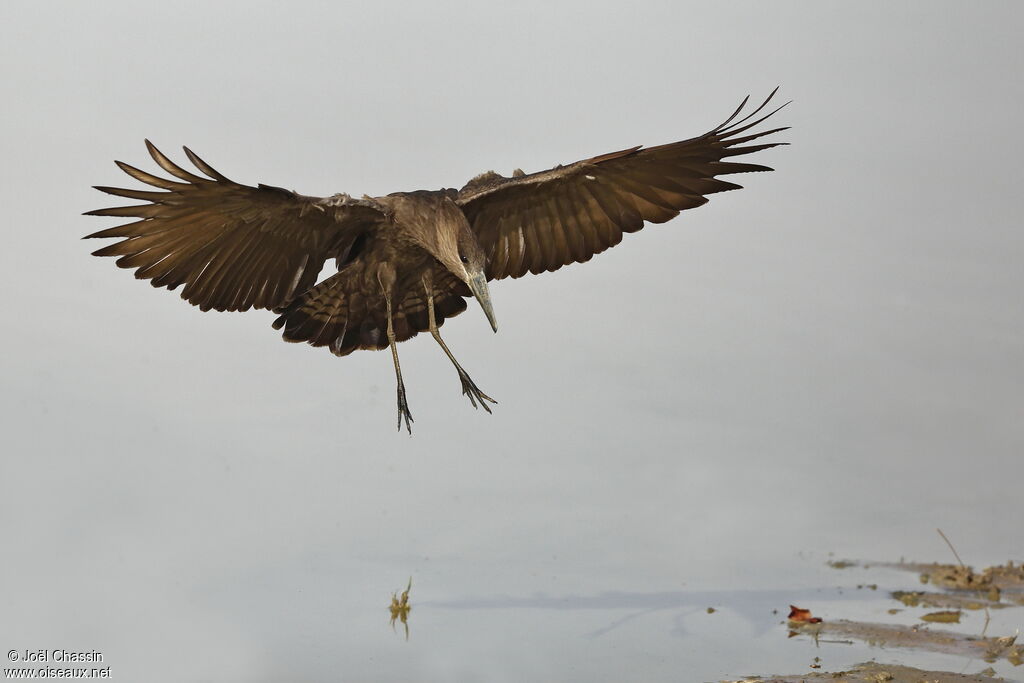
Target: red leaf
<point>804,615</point>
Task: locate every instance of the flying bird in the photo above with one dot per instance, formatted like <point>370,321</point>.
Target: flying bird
<point>407,261</point>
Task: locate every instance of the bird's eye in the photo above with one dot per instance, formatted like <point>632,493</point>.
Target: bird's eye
<point>464,259</point>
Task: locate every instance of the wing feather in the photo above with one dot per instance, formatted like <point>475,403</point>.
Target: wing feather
<point>545,247</point>
<point>592,213</point>
<point>560,242</point>
<point>170,166</point>
<point>576,235</point>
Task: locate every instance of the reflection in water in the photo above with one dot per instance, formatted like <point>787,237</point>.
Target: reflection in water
<point>758,607</point>
<point>400,608</point>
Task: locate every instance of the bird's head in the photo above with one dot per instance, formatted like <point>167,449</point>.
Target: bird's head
<point>471,267</point>
<point>438,225</point>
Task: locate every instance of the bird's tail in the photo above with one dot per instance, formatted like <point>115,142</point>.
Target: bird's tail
<point>342,314</point>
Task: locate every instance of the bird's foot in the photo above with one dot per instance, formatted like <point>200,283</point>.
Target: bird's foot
<point>403,409</point>
<point>469,388</point>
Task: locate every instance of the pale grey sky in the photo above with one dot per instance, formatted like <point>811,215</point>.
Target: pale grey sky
<point>203,502</point>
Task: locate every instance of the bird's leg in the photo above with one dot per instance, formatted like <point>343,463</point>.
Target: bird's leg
<point>403,405</point>
<point>469,387</point>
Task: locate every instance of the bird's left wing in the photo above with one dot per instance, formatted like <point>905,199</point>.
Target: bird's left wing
<point>542,221</point>
<point>232,246</point>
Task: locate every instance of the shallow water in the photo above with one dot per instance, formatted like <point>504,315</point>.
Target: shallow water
<point>244,561</point>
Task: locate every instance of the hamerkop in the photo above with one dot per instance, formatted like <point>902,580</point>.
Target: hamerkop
<point>409,260</point>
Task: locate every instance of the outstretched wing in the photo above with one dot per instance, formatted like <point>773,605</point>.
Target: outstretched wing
<point>543,221</point>
<point>232,246</point>
<point>342,314</point>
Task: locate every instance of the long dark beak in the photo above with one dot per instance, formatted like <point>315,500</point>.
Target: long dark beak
<point>478,285</point>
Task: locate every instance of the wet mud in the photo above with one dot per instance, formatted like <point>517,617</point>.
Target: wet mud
<point>953,590</point>
<point>873,672</point>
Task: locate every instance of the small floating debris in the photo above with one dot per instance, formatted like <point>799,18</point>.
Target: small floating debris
<point>947,616</point>
<point>803,616</point>
<point>400,608</point>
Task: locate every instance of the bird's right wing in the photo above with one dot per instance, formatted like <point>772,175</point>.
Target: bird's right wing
<point>532,223</point>
<point>232,246</point>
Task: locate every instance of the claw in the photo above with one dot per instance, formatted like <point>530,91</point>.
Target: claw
<point>470,389</point>
<point>403,410</point>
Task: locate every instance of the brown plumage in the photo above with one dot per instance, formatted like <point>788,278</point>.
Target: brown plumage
<point>409,260</point>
